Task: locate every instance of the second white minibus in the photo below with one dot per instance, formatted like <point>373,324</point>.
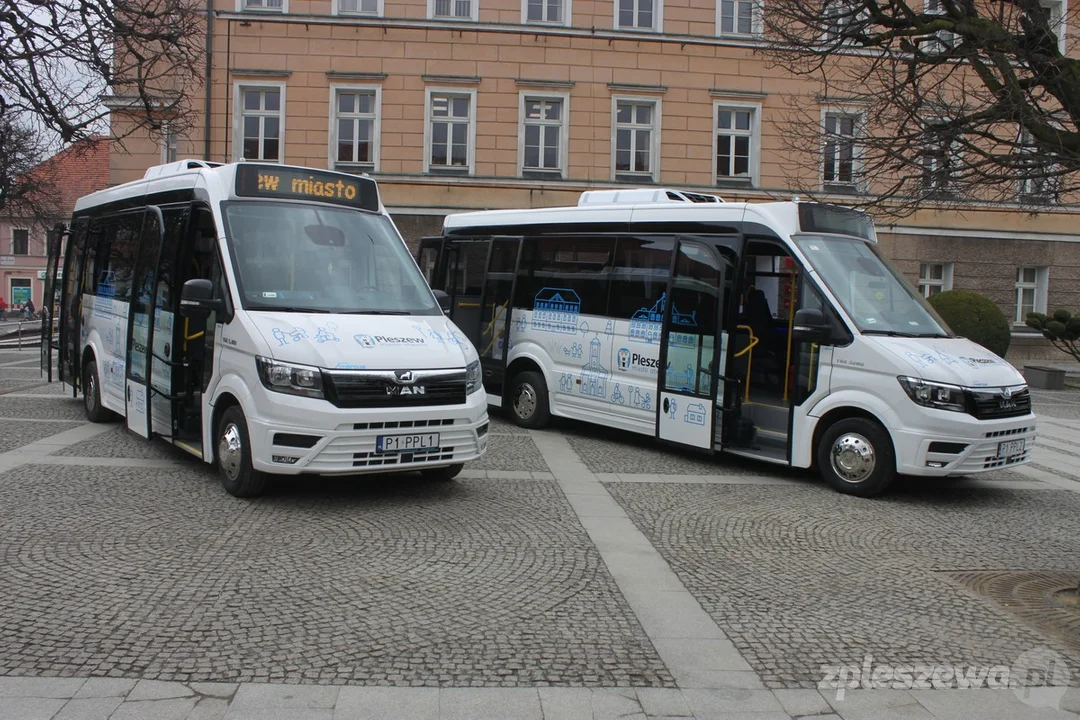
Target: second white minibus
<point>266,318</point>
<point>777,331</point>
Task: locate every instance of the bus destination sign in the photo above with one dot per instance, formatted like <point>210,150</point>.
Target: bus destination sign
<point>285,183</point>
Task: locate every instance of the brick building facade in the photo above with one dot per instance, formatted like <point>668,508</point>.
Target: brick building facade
<point>474,104</point>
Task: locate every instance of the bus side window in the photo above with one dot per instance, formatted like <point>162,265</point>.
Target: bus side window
<point>116,250</point>
<point>573,272</point>
<point>639,279</point>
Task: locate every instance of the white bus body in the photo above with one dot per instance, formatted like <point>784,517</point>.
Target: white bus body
<point>266,318</point>
<point>771,330</point>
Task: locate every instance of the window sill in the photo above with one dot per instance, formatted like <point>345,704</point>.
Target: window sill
<point>841,188</point>
<point>357,13</point>
<point>635,178</point>
<point>354,168</point>
<point>734,183</point>
<point>533,174</point>
<point>449,171</point>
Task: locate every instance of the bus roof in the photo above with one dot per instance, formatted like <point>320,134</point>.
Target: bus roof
<point>786,218</point>
<point>248,180</point>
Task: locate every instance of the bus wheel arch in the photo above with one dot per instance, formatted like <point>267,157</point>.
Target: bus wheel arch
<point>526,399</point>
<point>854,453</point>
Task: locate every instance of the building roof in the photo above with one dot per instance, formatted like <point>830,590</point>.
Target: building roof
<point>77,170</point>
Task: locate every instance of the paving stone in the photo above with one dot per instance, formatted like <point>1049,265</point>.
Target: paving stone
<point>168,709</point>
<point>47,687</point>
<point>121,443</point>
<point>489,704</point>
<point>98,687</point>
<point>386,703</point>
<point>89,708</point>
<point>510,452</point>
<point>157,573</point>
<point>29,708</point>
<point>799,577</point>
<point>15,434</point>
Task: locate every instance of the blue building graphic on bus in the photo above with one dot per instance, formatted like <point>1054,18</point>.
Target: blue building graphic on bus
<point>645,324</point>
<point>695,414</point>
<point>594,376</point>
<point>556,310</point>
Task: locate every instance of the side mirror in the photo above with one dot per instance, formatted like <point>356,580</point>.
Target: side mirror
<point>444,300</point>
<point>197,299</point>
<point>810,326</point>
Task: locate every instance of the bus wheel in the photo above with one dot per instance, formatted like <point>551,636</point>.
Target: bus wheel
<point>528,399</point>
<point>855,456</point>
<point>238,477</point>
<point>95,411</point>
<point>442,474</point>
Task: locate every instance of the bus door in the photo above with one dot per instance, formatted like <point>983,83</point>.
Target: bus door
<point>69,362</point>
<point>496,309</point>
<point>428,258</point>
<point>140,328</point>
<point>50,299</point>
<point>690,345</point>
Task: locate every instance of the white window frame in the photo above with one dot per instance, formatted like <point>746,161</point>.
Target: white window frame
<point>471,150</point>
<point>929,169</point>
<point>564,133</point>
<point>238,115</point>
<point>754,178</point>
<point>756,23</point>
<point>566,11</point>
<point>658,18</point>
<point>376,128</point>
<point>335,8</point>
<point>926,281</point>
<point>939,45</point>
<point>242,6</point>
<point>655,146</point>
<point>169,141</point>
<point>1051,192</point>
<point>858,181</point>
<point>1059,23</point>
<point>1042,280</point>
<point>11,242</point>
<point>474,12</point>
<point>826,35</point>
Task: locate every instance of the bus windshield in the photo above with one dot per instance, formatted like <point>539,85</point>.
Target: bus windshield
<point>874,295</point>
<point>299,257</point>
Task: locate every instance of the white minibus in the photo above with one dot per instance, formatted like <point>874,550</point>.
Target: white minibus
<point>264,317</point>
<point>776,331</point>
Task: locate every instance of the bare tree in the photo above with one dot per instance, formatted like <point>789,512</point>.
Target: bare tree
<point>25,191</point>
<point>948,101</point>
<point>59,58</point>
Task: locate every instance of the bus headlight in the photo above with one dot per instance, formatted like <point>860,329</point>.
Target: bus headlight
<point>934,395</point>
<point>473,377</point>
<point>288,378</point>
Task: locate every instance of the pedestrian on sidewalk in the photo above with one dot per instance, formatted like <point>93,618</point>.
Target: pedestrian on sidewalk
<point>3,310</point>
<point>29,309</point>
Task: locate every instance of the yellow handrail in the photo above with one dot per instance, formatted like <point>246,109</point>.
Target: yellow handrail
<point>750,361</point>
<point>491,326</point>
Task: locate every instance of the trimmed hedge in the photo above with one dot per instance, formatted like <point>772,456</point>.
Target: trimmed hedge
<point>975,317</point>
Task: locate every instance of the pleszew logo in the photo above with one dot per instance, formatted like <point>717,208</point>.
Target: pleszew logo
<point>636,361</point>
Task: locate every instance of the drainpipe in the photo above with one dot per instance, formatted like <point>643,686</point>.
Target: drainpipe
<point>209,65</point>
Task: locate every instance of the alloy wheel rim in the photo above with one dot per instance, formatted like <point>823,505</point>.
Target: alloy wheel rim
<point>853,458</point>
<point>230,450</point>
<point>525,401</point>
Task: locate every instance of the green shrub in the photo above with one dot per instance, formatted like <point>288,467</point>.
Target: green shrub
<point>1062,329</point>
<point>975,317</point>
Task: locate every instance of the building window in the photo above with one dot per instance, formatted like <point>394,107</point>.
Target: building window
<point>21,289</point>
<point>451,131</point>
<point>168,144</point>
<point>359,7</point>
<point>938,159</point>
<point>941,41</point>
<point>935,278</point>
<point>736,141</point>
<point>543,135</point>
<point>20,241</point>
<point>265,5</point>
<point>738,17</point>
<point>355,130</point>
<point>262,123</point>
<point>839,170</point>
<point>453,9</point>
<point>1031,285</point>
<point>1055,8</point>
<point>840,17</point>
<point>639,15</point>
<point>545,11</point>
<point>636,138</point>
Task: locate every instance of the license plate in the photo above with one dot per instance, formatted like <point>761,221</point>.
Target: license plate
<point>406,443</point>
<point>1008,449</point>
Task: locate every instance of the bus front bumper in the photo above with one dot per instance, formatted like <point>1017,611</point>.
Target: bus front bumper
<point>334,441</point>
<point>965,448</point>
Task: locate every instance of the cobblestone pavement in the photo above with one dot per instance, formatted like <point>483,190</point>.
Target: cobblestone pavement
<point>576,572</point>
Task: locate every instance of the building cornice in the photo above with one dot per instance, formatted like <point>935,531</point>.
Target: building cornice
<point>451,79</point>
<point>363,76</point>
<point>260,72</point>
<point>636,88</point>
<point>747,94</point>
<point>536,82</point>
<point>458,26</point>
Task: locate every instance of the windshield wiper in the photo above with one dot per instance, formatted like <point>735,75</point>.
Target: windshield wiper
<point>376,312</point>
<point>897,333</point>
<point>289,308</point>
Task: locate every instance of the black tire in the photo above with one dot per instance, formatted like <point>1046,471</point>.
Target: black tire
<point>232,449</point>
<point>856,457</point>
<point>442,474</point>
<point>527,401</point>
<point>91,386</point>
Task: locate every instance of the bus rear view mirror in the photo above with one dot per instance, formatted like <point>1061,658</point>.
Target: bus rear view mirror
<point>444,300</point>
<point>197,299</point>
<point>325,235</point>
<point>810,326</point>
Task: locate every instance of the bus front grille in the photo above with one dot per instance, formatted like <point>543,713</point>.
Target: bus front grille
<point>357,391</point>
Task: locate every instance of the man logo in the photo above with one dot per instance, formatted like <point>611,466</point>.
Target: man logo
<point>395,390</point>
<point>624,359</point>
<point>364,340</point>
